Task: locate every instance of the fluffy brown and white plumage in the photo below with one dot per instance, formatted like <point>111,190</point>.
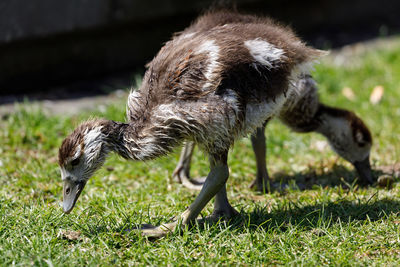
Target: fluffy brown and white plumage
<point>210,85</point>
<point>302,112</point>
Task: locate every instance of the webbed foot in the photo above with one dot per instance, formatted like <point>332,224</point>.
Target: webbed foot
<point>261,184</point>
<point>158,231</point>
<point>181,175</point>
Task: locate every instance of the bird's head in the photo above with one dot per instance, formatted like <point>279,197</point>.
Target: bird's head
<point>80,155</point>
<point>352,140</point>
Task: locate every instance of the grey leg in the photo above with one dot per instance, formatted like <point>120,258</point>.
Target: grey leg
<point>261,183</point>
<point>222,207</point>
<point>182,171</point>
<point>214,183</point>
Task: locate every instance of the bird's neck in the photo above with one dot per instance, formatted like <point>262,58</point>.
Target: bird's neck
<point>138,141</point>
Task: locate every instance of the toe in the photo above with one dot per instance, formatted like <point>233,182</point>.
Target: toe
<point>159,231</point>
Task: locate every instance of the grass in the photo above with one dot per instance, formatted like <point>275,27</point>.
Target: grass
<point>332,222</point>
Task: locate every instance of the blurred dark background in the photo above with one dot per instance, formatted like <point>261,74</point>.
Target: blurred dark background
<point>80,43</point>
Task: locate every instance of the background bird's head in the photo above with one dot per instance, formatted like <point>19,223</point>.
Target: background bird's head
<point>80,155</point>
<point>352,140</point>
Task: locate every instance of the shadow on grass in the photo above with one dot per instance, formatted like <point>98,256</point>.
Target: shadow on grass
<point>314,216</point>
<point>293,213</point>
<point>336,176</point>
<point>310,216</point>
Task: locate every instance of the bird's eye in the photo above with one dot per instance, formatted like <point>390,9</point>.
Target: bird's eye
<point>75,162</point>
<point>362,144</point>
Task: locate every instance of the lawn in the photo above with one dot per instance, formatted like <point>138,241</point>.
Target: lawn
<point>332,221</point>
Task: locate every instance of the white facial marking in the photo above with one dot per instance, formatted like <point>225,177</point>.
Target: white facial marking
<point>341,140</point>
<point>92,143</point>
<point>63,173</point>
<point>77,153</point>
<point>92,135</point>
<point>212,50</point>
<point>264,52</point>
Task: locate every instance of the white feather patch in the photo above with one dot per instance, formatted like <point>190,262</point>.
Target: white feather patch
<point>212,50</point>
<point>297,81</point>
<point>148,147</point>
<point>230,97</point>
<point>264,52</point>
<point>132,104</point>
<point>258,113</point>
<point>187,35</point>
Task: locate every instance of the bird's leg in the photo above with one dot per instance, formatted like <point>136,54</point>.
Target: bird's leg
<point>182,171</point>
<point>261,183</point>
<point>214,183</point>
<point>222,207</point>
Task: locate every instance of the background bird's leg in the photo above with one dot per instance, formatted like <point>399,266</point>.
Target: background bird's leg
<point>182,171</point>
<point>214,183</point>
<point>261,183</point>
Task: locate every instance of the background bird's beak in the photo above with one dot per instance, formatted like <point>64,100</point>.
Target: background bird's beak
<point>364,171</point>
<point>71,191</point>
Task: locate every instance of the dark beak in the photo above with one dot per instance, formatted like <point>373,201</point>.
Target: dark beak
<point>71,190</point>
<point>364,171</point>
